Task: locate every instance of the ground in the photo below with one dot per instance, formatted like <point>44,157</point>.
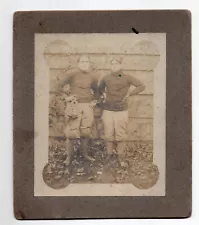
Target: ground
<point>139,170</point>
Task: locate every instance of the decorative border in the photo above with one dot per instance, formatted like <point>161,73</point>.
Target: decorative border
<point>177,26</point>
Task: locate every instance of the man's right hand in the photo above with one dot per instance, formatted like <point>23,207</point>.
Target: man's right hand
<point>125,98</point>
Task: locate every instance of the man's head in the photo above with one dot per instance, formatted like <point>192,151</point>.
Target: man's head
<point>84,63</point>
<point>116,65</point>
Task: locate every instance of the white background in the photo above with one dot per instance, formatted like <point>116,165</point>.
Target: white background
<point>7,7</point>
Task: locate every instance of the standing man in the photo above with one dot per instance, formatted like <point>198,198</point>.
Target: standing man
<point>116,86</point>
<point>84,86</point>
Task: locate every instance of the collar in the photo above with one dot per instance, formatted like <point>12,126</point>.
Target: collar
<point>117,73</point>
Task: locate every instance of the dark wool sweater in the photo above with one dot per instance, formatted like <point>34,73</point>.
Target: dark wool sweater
<point>116,86</point>
<point>81,85</point>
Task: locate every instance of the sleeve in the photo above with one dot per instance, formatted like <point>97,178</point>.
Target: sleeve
<point>68,76</point>
<point>94,87</point>
<point>102,86</point>
<point>135,82</point>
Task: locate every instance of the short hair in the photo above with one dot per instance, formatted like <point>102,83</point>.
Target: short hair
<point>117,59</point>
<point>86,56</point>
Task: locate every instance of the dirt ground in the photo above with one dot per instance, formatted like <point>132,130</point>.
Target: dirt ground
<point>139,170</point>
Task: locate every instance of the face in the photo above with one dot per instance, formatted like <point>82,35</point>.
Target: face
<point>84,63</point>
<point>115,66</point>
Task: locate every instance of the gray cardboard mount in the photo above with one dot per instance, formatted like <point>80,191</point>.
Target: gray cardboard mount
<point>177,201</point>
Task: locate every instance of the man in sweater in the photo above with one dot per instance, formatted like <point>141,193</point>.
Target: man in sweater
<point>84,86</point>
<point>116,87</point>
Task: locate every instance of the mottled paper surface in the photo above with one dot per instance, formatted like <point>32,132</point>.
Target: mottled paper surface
<point>144,57</point>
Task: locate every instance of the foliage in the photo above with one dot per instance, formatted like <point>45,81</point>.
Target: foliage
<point>139,170</point>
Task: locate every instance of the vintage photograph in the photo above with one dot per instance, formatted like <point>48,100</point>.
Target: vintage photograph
<point>100,103</point>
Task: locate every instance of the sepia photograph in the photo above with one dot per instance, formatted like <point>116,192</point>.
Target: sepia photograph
<point>100,108</point>
<point>102,114</point>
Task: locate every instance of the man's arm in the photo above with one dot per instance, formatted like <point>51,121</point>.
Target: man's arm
<point>94,87</point>
<point>102,87</point>
<point>137,83</point>
<point>68,74</point>
<point>67,79</point>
